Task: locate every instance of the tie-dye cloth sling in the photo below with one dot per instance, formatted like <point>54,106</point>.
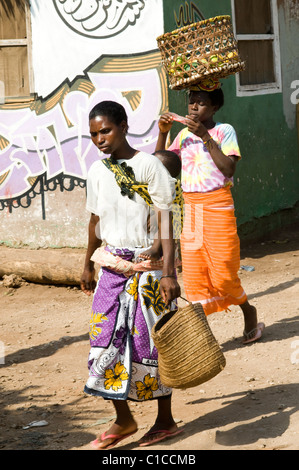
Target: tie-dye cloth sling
<point>125,179</point>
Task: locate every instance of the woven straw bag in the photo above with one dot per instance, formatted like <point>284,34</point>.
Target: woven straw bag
<point>188,353</point>
<point>199,51</point>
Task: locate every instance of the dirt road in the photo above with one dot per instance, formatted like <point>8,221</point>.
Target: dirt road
<point>252,405</point>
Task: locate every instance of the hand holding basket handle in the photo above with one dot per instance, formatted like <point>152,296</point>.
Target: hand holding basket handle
<point>169,289</point>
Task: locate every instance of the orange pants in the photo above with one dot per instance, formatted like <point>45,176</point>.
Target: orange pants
<point>210,250</point>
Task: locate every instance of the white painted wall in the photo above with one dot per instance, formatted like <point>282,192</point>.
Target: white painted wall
<point>60,50</point>
<point>51,137</point>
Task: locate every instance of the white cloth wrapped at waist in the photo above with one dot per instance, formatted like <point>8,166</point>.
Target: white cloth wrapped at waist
<point>128,268</point>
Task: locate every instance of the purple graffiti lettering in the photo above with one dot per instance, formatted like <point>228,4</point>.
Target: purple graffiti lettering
<point>56,143</point>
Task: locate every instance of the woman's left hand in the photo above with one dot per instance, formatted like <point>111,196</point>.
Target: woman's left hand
<point>195,126</point>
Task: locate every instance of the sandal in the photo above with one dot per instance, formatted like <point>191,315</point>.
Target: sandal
<point>118,437</point>
<point>164,434</point>
<point>255,334</point>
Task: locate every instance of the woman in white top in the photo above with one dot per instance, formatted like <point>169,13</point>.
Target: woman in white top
<point>123,359</point>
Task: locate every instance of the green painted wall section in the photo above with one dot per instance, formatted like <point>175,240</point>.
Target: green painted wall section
<point>267,177</point>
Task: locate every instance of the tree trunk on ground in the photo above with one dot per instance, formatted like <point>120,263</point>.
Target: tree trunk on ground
<point>43,266</point>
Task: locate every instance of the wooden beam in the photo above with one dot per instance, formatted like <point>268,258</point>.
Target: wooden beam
<point>44,266</point>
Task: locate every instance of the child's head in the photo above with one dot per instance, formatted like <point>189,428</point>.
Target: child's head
<point>170,160</point>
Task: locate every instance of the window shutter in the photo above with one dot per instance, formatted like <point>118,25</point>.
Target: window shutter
<point>14,60</point>
<point>256,29</point>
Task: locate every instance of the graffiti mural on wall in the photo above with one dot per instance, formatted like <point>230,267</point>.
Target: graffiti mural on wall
<point>188,14</point>
<point>45,144</point>
<point>99,18</point>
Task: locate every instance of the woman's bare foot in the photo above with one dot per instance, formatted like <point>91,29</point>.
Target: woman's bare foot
<point>252,329</point>
<point>164,426</point>
<point>250,316</point>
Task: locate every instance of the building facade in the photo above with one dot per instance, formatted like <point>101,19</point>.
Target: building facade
<point>59,58</point>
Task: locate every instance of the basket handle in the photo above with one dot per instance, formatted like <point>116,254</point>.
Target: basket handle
<point>167,309</point>
<point>183,298</point>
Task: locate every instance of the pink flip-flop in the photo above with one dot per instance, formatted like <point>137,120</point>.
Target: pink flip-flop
<point>255,334</point>
<point>165,435</point>
<point>118,437</point>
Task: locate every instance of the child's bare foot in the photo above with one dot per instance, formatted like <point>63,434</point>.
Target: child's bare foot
<point>150,254</point>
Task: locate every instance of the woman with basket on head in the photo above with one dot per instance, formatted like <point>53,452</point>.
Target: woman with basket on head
<point>209,242</point>
<point>123,359</point>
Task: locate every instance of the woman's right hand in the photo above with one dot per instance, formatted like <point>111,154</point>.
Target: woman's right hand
<point>165,123</point>
<point>87,282</point>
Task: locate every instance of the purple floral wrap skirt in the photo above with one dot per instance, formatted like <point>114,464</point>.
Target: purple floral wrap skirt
<point>123,361</point>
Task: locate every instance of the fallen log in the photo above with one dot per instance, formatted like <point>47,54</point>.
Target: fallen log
<point>43,266</point>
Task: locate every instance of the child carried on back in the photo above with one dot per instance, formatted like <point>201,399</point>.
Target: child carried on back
<point>172,163</point>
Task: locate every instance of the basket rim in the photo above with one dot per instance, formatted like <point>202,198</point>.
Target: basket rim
<point>184,28</point>
<point>222,74</point>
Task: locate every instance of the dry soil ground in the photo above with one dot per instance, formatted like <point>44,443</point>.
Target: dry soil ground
<point>252,405</point>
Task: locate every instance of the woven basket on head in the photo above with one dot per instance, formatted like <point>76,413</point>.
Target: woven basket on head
<point>188,353</point>
<point>206,49</point>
